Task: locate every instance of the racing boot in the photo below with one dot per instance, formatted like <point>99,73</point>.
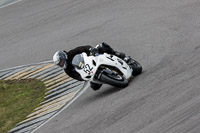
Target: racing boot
<point>137,68</point>
<point>120,55</point>
<point>127,59</point>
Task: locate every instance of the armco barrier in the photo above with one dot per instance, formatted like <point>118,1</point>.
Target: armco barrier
<point>61,92</point>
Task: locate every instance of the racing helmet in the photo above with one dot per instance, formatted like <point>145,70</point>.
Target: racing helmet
<point>60,59</point>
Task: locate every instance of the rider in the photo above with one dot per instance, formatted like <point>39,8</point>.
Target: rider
<point>64,59</point>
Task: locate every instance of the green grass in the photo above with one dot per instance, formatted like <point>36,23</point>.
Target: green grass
<point>18,98</point>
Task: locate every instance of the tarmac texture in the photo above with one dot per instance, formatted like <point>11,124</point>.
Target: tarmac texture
<point>163,35</point>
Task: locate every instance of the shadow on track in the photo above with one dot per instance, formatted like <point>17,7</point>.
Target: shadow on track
<point>107,91</point>
<point>102,93</point>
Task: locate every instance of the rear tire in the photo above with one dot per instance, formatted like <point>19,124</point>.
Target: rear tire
<point>137,68</point>
<point>109,79</point>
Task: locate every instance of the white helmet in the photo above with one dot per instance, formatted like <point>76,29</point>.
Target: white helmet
<point>60,59</point>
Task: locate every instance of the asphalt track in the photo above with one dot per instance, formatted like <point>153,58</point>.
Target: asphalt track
<point>163,35</point>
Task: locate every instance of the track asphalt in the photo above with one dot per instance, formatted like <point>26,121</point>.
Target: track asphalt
<point>163,35</point>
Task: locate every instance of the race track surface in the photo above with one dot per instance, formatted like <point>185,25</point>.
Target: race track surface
<point>163,35</point>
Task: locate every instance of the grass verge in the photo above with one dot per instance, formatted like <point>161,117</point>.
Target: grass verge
<point>18,98</point>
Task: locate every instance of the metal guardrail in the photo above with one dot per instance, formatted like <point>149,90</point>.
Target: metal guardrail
<point>61,92</point>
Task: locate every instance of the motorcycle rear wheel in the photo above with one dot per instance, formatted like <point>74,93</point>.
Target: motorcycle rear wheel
<point>137,68</point>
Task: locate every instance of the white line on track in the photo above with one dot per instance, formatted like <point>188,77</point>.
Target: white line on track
<point>85,87</point>
<point>10,4</point>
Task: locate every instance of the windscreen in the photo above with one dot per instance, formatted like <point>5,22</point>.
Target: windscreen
<point>78,61</point>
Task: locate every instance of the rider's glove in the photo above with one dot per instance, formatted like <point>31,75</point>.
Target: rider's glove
<point>94,51</point>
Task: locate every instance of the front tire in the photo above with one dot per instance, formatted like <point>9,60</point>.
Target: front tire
<point>119,81</point>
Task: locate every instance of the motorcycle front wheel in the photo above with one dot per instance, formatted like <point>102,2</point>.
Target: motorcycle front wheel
<point>114,80</point>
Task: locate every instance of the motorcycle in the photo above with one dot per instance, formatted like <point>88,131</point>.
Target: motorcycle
<point>106,69</point>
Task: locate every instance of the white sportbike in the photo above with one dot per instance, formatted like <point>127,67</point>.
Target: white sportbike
<point>106,69</point>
